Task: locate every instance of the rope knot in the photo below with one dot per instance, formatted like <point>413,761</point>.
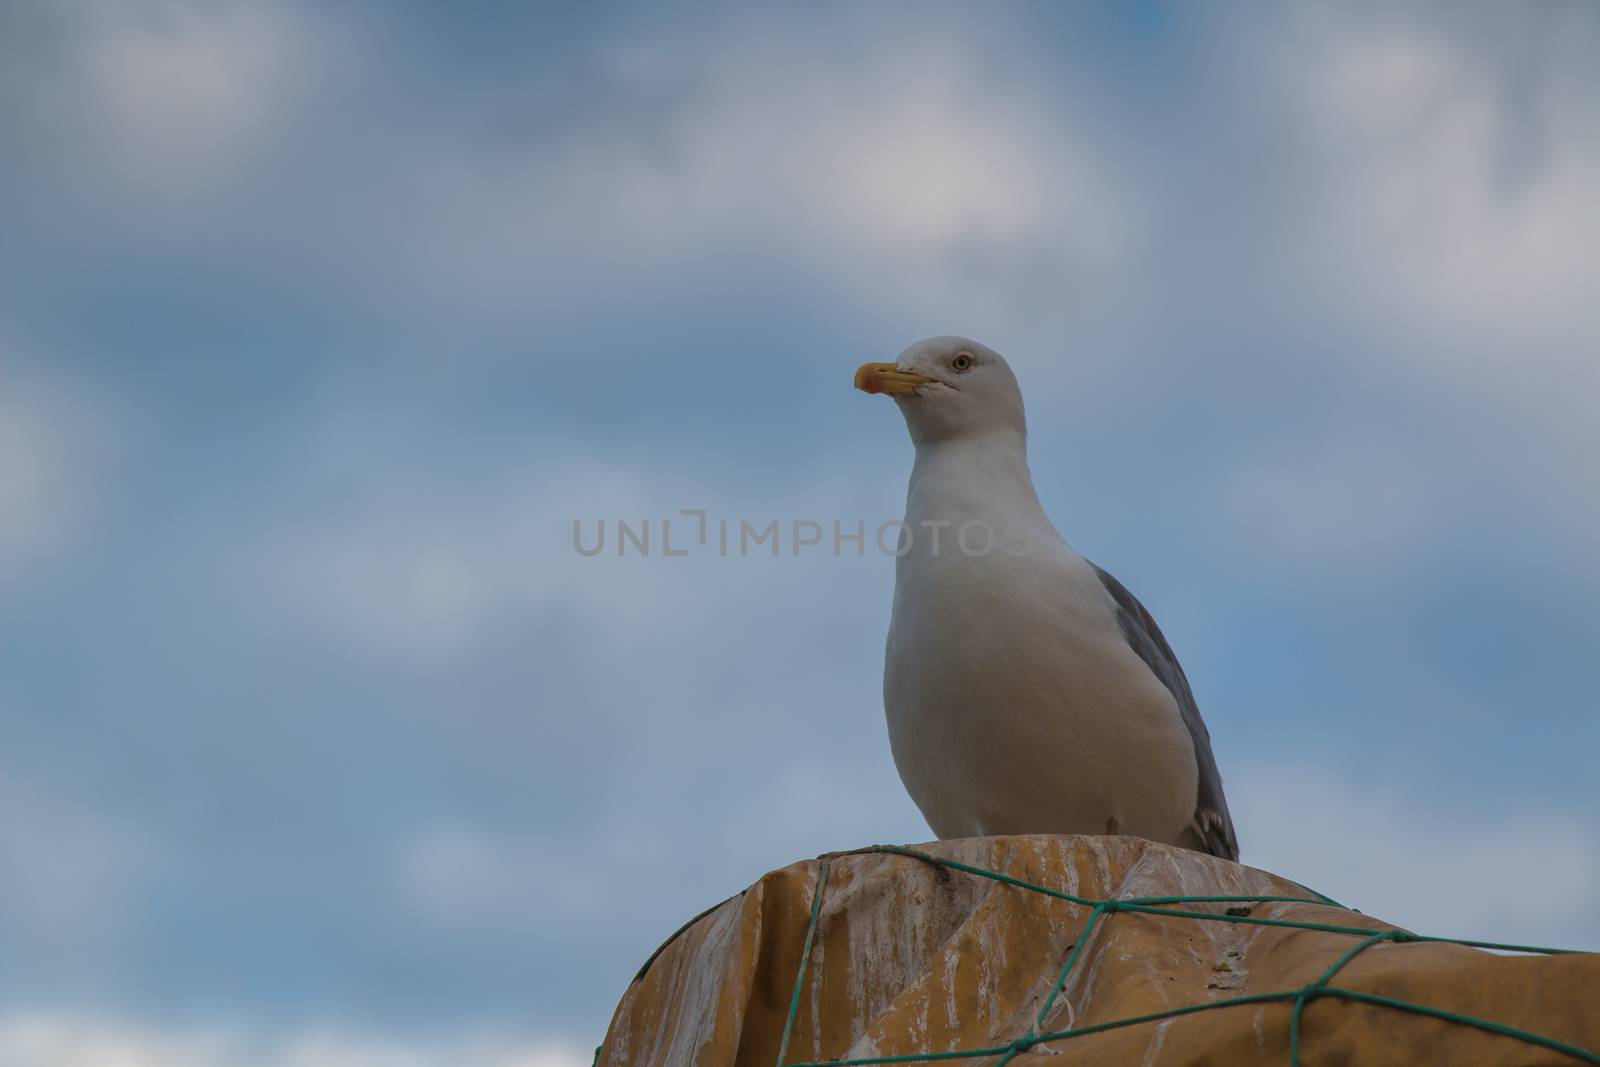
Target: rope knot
<point>1111,907</point>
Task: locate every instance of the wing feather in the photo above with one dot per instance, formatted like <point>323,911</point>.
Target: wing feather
<point>1212,829</point>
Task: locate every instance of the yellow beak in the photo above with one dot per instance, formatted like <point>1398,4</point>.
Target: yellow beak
<point>888,378</point>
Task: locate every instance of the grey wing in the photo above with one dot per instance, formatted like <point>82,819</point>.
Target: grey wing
<point>1212,829</point>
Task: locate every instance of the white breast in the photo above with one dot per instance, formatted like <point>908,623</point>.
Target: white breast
<point>1014,703</point>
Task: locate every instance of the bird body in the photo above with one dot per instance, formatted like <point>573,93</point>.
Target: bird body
<point>1007,683</point>
<point>1025,690</point>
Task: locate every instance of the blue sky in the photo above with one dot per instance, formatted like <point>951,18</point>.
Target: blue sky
<point>320,746</point>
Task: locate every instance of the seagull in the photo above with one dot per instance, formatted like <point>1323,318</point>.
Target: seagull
<point>1027,691</point>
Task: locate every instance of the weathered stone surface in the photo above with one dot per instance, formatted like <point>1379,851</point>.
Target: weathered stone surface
<point>912,957</point>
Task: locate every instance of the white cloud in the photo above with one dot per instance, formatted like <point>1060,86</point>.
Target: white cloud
<point>1330,504</point>
<point>185,90</point>
<point>424,567</point>
<point>904,158</point>
<point>478,883</point>
<point>69,1040</point>
<point>1524,875</point>
<point>50,443</point>
<point>910,178</point>
<point>1455,198</point>
<point>74,870</point>
<point>1441,173</point>
<point>410,582</point>
<point>407,559</point>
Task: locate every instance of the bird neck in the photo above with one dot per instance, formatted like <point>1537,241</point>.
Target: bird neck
<point>972,477</point>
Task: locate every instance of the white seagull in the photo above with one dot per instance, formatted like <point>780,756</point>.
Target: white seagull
<point>1027,691</point>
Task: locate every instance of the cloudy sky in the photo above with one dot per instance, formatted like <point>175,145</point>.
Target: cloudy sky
<point>320,325</point>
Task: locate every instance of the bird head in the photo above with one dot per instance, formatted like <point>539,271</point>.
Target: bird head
<point>949,388</point>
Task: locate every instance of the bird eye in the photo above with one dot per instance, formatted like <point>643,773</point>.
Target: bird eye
<point>962,362</point>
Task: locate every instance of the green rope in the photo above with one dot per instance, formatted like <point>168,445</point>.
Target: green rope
<point>956,865</point>
<point>1586,1055</point>
<point>1024,1043</point>
<point>1099,909</point>
<point>1307,994</point>
<point>1066,968</point>
<point>805,958</point>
